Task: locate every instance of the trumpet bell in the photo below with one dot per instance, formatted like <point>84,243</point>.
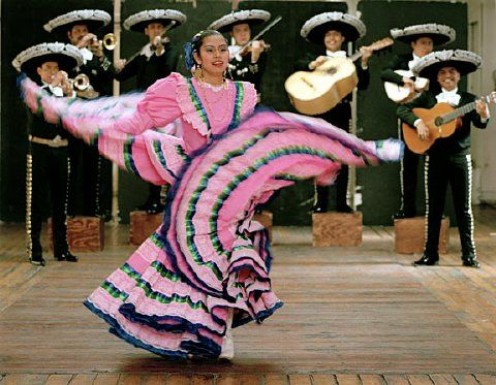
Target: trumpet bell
<point>81,82</point>
<point>109,41</point>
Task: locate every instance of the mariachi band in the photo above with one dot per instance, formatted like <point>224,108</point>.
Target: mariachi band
<point>81,68</point>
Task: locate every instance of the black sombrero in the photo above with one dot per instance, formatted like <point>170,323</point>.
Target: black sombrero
<point>464,61</point>
<point>316,27</point>
<point>66,55</point>
<point>439,33</point>
<point>93,18</point>
<point>249,16</point>
<point>139,21</point>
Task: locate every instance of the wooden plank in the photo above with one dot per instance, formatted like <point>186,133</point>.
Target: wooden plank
<point>396,380</point>
<point>106,379</point>
<point>443,379</point>
<point>419,379</point>
<point>130,379</point>
<point>59,379</point>
<point>276,379</point>
<point>300,379</point>
<point>323,379</point>
<point>83,379</point>
<point>466,379</point>
<point>25,379</point>
<point>486,379</point>
<point>203,379</point>
<point>372,379</point>
<point>348,379</point>
<point>178,379</point>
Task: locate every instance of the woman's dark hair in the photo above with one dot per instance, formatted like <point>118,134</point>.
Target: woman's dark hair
<point>194,46</point>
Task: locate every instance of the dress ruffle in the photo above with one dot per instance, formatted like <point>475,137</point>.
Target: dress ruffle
<point>209,258</point>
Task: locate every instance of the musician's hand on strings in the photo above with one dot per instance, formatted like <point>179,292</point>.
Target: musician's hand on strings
<point>317,62</point>
<point>422,130</point>
<point>482,109</point>
<point>366,54</point>
<point>256,47</point>
<point>408,82</point>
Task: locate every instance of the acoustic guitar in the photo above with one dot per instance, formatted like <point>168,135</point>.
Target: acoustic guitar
<point>442,121</point>
<point>403,94</point>
<point>318,91</point>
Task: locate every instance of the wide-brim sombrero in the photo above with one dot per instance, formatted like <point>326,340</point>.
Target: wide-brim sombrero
<point>94,19</point>
<point>248,16</point>
<point>464,61</point>
<point>168,17</point>
<point>66,55</point>
<point>316,27</point>
<point>439,33</point>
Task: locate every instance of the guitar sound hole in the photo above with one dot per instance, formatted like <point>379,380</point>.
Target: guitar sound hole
<point>332,70</point>
<point>438,121</point>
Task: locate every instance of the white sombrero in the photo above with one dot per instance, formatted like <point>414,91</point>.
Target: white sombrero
<point>316,27</point>
<point>139,21</point>
<point>93,18</point>
<point>249,16</point>
<point>66,55</point>
<point>439,33</point>
<point>464,61</point>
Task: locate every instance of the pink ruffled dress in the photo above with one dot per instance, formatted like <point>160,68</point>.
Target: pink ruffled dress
<point>209,259</point>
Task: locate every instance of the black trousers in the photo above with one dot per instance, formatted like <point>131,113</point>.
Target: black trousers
<point>339,116</point>
<point>48,174</point>
<point>455,170</point>
<point>408,180</point>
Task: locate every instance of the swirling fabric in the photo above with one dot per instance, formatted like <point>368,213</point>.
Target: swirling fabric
<point>174,294</point>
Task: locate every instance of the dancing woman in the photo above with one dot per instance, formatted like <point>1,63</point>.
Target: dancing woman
<point>206,269</point>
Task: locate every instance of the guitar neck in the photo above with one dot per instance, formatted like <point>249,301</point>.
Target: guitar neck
<point>355,56</point>
<point>459,112</point>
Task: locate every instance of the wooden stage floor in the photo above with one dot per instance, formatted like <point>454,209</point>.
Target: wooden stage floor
<point>352,316</point>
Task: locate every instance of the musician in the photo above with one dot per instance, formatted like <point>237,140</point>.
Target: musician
<point>422,39</point>
<point>90,185</point>
<point>448,159</point>
<point>246,64</point>
<point>47,159</point>
<point>157,59</point>
<point>331,31</point>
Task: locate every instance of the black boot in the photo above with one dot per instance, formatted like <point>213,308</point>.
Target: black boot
<point>67,256</point>
<point>37,260</point>
<point>427,260</point>
<point>321,199</point>
<point>470,261</point>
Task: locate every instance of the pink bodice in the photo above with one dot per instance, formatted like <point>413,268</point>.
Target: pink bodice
<point>202,110</point>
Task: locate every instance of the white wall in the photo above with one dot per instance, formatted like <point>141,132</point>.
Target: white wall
<point>482,35</point>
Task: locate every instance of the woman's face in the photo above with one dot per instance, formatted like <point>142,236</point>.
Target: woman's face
<point>213,55</point>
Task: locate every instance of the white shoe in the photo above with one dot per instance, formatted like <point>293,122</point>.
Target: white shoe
<point>227,351</point>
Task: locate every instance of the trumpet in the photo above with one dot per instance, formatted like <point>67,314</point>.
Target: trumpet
<point>109,42</point>
<point>80,83</point>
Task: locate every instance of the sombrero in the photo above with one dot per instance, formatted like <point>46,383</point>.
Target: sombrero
<point>139,21</point>
<point>66,55</point>
<point>464,61</point>
<point>249,16</point>
<point>439,33</point>
<point>316,27</point>
<point>93,18</point>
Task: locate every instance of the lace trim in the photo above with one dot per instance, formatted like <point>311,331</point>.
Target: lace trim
<point>194,113</point>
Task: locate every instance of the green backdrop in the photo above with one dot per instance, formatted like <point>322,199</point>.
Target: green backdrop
<point>376,117</point>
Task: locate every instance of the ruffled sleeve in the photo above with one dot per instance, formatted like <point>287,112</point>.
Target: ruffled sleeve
<point>158,108</point>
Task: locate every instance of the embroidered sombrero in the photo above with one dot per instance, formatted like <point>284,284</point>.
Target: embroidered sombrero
<point>93,18</point>
<point>139,21</point>
<point>439,33</point>
<point>317,26</point>
<point>249,16</point>
<point>464,61</point>
<point>66,55</point>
